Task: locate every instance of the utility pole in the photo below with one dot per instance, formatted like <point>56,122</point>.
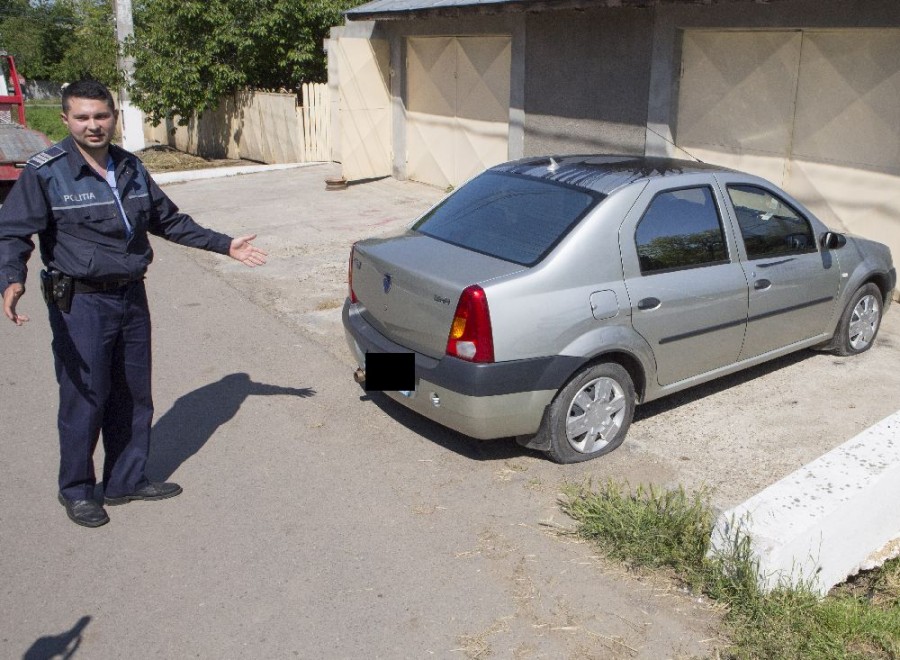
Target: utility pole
<point>132,117</point>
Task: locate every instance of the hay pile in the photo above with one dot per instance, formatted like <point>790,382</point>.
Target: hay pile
<point>161,158</point>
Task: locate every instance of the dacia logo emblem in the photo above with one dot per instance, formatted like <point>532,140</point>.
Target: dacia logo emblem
<point>386,282</point>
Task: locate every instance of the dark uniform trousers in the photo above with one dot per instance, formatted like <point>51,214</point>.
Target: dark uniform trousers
<point>101,348</point>
<point>102,345</point>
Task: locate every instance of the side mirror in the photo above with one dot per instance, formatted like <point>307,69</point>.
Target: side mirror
<point>831,240</point>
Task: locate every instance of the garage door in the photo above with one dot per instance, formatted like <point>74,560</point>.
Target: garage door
<point>457,107</point>
<point>816,111</point>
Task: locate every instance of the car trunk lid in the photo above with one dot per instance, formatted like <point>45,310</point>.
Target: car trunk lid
<point>409,286</point>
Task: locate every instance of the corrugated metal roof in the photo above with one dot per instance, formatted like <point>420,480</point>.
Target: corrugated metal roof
<point>378,7</point>
<point>400,9</point>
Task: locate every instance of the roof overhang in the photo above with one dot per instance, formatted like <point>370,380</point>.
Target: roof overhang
<point>386,10</point>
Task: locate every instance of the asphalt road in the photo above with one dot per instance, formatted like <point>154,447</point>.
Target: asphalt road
<point>318,522</point>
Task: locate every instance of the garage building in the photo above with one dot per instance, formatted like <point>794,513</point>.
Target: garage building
<point>803,92</point>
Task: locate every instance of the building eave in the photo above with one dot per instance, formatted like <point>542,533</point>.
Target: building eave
<point>395,10</point>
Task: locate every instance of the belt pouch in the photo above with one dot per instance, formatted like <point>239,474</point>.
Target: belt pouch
<point>58,289</point>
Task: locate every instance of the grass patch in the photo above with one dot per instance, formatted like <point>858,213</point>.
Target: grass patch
<point>653,528</point>
<point>44,117</point>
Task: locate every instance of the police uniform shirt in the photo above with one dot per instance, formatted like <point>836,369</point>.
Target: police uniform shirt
<point>76,216</point>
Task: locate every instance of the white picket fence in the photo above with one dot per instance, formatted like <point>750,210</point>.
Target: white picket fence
<point>269,127</point>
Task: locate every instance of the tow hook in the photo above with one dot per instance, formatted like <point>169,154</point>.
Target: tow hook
<point>359,376</point>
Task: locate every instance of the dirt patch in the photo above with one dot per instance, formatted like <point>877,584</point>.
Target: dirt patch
<point>161,158</point>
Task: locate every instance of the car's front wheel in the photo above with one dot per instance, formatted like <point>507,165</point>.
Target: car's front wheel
<point>860,322</point>
<point>591,414</point>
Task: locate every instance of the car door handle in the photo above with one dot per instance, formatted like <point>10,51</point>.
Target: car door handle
<point>759,285</point>
<point>646,304</point>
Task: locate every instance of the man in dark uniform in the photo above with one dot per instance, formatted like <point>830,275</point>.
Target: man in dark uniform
<point>92,205</point>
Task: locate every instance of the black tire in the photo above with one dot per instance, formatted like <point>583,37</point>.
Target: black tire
<point>610,392</point>
<point>860,322</point>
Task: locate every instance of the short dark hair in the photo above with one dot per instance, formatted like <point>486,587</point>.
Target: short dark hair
<point>87,89</point>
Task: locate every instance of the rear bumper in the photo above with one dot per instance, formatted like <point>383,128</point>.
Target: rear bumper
<point>481,400</point>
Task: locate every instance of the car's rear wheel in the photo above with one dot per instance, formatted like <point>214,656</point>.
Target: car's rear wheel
<point>591,414</point>
<point>860,322</point>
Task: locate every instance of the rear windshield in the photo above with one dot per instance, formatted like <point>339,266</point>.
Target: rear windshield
<point>514,218</point>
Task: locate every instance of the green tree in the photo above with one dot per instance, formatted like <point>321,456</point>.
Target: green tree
<point>190,53</point>
<point>61,40</point>
<point>90,48</point>
<point>187,55</point>
<point>293,31</point>
<point>33,32</point>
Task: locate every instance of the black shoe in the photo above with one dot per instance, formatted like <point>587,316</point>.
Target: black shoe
<point>152,491</point>
<point>86,513</point>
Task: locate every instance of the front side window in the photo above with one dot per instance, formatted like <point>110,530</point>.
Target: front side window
<point>769,226</point>
<point>680,229</point>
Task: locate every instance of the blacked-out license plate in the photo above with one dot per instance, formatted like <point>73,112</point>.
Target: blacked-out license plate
<point>390,372</point>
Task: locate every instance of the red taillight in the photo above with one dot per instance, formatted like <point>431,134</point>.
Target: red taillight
<point>352,296</point>
<point>471,337</point>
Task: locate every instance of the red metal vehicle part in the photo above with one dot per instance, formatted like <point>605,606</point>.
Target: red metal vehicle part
<point>18,143</point>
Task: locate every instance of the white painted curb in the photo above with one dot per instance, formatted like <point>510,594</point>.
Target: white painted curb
<point>829,519</point>
<point>217,172</point>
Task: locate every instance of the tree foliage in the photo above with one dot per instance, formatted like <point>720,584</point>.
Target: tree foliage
<point>61,40</point>
<point>32,34</point>
<point>190,53</point>
<point>91,48</point>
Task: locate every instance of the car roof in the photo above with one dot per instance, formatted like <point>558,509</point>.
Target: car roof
<point>603,173</point>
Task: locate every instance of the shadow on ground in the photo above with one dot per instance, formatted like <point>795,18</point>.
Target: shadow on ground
<point>61,646</point>
<point>508,448</point>
<point>193,419</point>
<point>698,392</point>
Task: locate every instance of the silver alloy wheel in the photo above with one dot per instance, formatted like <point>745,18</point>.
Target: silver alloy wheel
<point>595,415</point>
<point>864,322</point>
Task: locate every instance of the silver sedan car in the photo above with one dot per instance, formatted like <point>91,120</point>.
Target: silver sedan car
<point>547,297</point>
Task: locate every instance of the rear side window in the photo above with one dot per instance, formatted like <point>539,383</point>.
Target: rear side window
<point>769,226</point>
<point>680,229</point>
<point>514,218</point>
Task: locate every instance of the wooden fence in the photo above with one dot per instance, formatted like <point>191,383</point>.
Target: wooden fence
<point>267,127</point>
<point>315,120</point>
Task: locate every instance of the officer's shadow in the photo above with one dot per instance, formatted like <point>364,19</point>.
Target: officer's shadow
<point>193,419</point>
<point>62,646</point>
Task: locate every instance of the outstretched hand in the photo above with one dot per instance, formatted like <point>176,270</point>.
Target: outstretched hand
<point>10,298</point>
<point>242,250</point>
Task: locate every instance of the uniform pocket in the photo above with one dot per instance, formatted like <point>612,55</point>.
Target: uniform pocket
<point>100,224</point>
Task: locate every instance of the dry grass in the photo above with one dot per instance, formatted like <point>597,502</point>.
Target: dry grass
<point>161,158</point>
<point>879,587</point>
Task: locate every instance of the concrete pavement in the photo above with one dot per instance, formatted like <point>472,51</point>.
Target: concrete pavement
<point>314,524</point>
<point>320,523</point>
<point>736,435</point>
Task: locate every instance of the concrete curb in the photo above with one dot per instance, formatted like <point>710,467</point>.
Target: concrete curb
<point>828,520</point>
<point>164,178</point>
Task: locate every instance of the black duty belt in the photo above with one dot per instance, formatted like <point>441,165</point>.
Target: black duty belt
<point>99,286</point>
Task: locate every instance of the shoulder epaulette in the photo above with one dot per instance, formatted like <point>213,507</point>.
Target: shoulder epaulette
<point>46,156</point>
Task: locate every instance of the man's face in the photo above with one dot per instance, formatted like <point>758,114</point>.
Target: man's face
<point>91,122</point>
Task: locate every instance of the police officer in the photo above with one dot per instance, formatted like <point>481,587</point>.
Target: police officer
<point>92,205</point>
